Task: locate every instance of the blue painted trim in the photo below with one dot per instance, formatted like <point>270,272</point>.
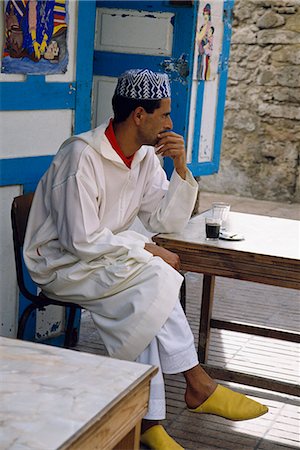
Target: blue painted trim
<point>198,120</point>
<point>228,5</point>
<point>30,187</point>
<point>113,64</point>
<point>142,5</point>
<point>35,93</point>
<point>84,64</point>
<point>199,102</point>
<point>204,168</point>
<point>183,44</point>
<point>191,65</point>
<point>23,171</point>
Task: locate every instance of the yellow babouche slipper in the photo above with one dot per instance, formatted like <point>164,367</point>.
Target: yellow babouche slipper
<point>229,404</point>
<point>157,438</point>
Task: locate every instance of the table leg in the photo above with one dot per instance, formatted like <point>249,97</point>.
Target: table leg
<point>131,441</point>
<point>205,316</point>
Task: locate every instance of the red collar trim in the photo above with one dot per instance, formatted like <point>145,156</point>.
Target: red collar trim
<point>110,134</point>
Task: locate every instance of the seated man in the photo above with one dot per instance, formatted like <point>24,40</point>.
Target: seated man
<point>79,247</point>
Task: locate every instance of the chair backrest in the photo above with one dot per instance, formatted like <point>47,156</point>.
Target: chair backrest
<point>19,216</point>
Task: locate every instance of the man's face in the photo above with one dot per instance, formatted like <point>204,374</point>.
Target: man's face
<point>155,123</point>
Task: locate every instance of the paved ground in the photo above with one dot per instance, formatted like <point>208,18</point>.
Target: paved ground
<point>251,206</point>
<point>280,428</point>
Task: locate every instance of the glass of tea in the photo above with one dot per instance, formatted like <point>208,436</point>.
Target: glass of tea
<point>221,210</point>
<point>212,228</point>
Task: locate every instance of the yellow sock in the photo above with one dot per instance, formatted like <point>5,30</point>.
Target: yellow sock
<point>157,438</point>
<point>229,404</point>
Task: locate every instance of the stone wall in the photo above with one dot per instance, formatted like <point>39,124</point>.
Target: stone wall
<point>261,137</point>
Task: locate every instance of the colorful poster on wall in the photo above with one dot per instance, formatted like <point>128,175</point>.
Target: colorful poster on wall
<point>208,38</point>
<point>206,93</point>
<point>35,39</point>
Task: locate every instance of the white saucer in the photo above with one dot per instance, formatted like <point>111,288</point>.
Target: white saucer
<point>231,236</point>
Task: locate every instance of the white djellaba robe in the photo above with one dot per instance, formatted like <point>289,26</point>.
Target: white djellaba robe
<point>78,246</point>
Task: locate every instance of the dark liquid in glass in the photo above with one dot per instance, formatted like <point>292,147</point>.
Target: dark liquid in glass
<point>212,230</point>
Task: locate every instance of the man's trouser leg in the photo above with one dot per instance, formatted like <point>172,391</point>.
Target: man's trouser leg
<point>172,351</point>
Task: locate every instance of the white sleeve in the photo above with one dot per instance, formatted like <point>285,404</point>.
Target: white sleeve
<point>167,206</point>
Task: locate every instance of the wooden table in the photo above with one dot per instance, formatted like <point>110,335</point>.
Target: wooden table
<point>269,254</point>
<point>54,398</point>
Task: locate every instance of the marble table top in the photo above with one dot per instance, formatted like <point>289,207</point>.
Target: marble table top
<point>263,235</point>
<point>48,393</point>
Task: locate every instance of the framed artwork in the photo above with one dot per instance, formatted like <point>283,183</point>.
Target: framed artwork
<point>35,39</point>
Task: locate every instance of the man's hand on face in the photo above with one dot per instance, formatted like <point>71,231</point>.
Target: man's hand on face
<point>172,145</point>
<point>169,257</point>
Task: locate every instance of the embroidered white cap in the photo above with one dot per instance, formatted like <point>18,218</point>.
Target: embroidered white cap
<point>143,84</point>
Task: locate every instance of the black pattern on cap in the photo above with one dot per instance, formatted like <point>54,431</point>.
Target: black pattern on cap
<point>143,84</point>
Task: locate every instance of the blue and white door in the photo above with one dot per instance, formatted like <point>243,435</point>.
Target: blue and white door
<point>164,36</point>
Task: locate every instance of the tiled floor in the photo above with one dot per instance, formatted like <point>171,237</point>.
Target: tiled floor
<point>278,307</point>
<point>252,354</point>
